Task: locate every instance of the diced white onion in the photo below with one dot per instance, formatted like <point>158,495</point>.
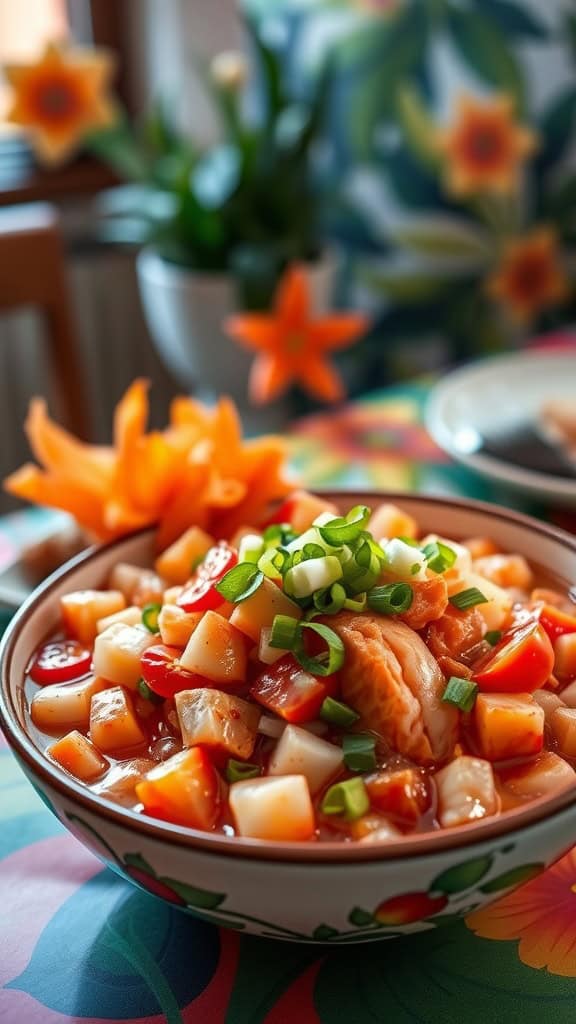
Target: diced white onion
<point>324,518</point>
<point>267,654</point>
<point>272,727</point>
<point>401,559</point>
<point>251,543</point>
<point>315,574</point>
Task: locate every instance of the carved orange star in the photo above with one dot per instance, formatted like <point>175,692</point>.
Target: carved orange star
<point>61,98</point>
<point>292,345</point>
<point>484,147</point>
<point>530,277</point>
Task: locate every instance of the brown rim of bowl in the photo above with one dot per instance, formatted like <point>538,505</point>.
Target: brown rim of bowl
<point>301,852</point>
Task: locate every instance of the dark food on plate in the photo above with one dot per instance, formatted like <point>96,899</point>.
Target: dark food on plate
<point>331,677</point>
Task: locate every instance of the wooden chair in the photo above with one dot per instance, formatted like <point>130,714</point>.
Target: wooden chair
<point>33,273</point>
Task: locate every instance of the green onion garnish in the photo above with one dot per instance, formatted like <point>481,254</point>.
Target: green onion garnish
<point>357,604</point>
<point>323,664</point>
<point>359,752</point>
<point>461,693</point>
<point>148,694</point>
<point>343,530</point>
<point>348,798</point>
<point>237,771</point>
<point>240,582</point>
<point>493,637</point>
<point>251,548</point>
<point>271,562</point>
<point>330,600</point>
<point>278,534</point>
<point>468,598</point>
<point>284,633</point>
<point>391,599</point>
<point>439,556</point>
<point>150,613</point>
<point>336,713</point>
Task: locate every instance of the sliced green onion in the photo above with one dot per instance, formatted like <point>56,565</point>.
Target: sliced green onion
<point>150,613</point>
<point>359,752</point>
<point>284,633</point>
<point>148,694</point>
<point>336,713</point>
<point>237,771</point>
<point>439,556</point>
<point>251,548</point>
<point>468,598</point>
<point>410,541</point>
<point>271,562</point>
<point>323,664</point>
<point>343,530</point>
<point>312,550</point>
<point>277,535</point>
<point>391,599</point>
<point>358,577</point>
<point>330,600</point>
<point>240,582</point>
<point>461,693</point>
<point>358,604</point>
<point>314,574</point>
<point>493,637</point>
<point>348,799</point>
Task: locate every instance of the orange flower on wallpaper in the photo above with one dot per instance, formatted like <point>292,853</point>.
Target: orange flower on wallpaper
<point>530,277</point>
<point>61,98</point>
<point>293,345</point>
<point>484,147</point>
<point>541,915</point>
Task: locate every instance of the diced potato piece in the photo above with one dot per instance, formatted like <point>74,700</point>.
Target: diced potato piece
<point>131,616</point>
<point>171,595</point>
<point>82,610</point>
<point>216,651</point>
<point>139,586</point>
<point>508,725</point>
<point>389,520</point>
<point>565,656</point>
<point>61,706</point>
<point>185,790</point>
<point>176,564</point>
<point>568,695</point>
<point>211,718</point>
<point>547,774</point>
<point>298,752</point>
<point>496,611</point>
<point>304,508</point>
<point>466,791</point>
<point>79,756</point>
<point>119,784</point>
<point>563,726</point>
<point>374,828</point>
<point>276,808</point>
<point>113,722</point>
<point>548,701</point>
<point>480,547</point>
<point>258,612</point>
<point>505,570</point>
<point>176,626</point>
<point>117,653</point>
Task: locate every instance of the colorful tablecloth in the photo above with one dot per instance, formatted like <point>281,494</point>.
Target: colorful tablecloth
<point>77,944</point>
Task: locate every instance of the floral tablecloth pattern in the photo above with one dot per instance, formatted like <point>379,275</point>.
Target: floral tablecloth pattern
<point>77,944</point>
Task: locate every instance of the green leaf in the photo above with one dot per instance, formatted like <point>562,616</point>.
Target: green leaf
<point>484,48</point>
<point>462,876</point>
<point>136,860</point>
<point>418,126</point>
<point>120,149</point>
<point>557,126</point>
<point>324,932</point>
<point>444,237</point>
<point>514,877</point>
<point>265,971</point>
<point>560,202</point>
<point>406,287</point>
<point>360,917</point>
<point>194,897</point>
<point>271,70</point>
<point>515,21</point>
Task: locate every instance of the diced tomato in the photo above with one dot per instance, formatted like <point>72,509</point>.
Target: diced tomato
<point>291,692</point>
<point>556,622</point>
<point>162,670</point>
<point>60,662</point>
<point>184,790</point>
<point>401,792</point>
<point>200,595</point>
<point>521,663</point>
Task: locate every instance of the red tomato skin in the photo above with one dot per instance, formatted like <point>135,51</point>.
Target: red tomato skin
<point>200,595</point>
<point>163,673</point>
<point>70,660</point>
<point>556,622</point>
<point>278,690</point>
<point>522,662</point>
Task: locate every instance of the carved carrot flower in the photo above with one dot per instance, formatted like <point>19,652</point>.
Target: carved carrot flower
<point>530,277</point>
<point>293,345</point>
<point>541,915</point>
<point>60,98</point>
<point>484,147</point>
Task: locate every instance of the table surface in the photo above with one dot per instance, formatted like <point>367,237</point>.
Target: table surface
<point>77,943</point>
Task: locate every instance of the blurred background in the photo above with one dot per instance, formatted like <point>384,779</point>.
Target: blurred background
<point>418,156</point>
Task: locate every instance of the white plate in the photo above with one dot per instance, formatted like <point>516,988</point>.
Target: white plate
<point>502,393</point>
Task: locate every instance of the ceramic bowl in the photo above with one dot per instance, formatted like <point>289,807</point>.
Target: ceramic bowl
<point>316,892</point>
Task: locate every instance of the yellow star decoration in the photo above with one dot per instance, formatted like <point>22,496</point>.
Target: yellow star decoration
<point>60,98</point>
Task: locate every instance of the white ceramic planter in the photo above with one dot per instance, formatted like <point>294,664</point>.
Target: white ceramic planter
<point>185,312</point>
